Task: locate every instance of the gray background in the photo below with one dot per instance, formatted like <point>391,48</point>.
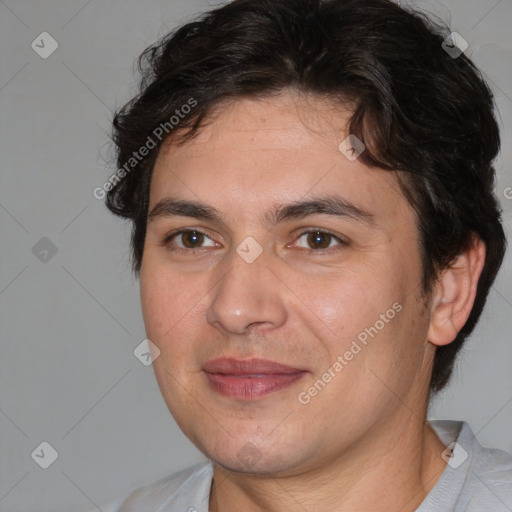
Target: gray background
<point>69,325</point>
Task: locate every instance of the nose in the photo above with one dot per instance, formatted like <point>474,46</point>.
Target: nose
<point>247,296</point>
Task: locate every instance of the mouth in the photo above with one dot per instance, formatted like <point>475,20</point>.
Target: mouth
<point>250,379</point>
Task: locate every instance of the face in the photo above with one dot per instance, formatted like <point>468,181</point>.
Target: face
<point>281,283</point>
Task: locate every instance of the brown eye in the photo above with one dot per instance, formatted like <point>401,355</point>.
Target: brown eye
<point>189,239</point>
<point>192,239</point>
<point>319,239</point>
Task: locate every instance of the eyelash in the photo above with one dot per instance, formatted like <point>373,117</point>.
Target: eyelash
<point>167,240</point>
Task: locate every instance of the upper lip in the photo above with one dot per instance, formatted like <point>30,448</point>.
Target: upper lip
<point>230,366</point>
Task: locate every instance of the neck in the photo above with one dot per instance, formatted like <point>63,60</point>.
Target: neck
<point>392,468</point>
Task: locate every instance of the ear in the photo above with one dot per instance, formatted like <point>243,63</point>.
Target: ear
<point>454,294</point>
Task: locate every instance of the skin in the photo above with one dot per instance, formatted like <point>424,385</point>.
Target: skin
<point>362,443</point>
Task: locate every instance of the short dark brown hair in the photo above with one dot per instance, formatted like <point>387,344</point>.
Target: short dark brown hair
<point>431,114</point>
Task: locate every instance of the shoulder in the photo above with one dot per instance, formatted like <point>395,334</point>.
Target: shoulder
<point>185,490</point>
<point>476,478</point>
<point>490,480</point>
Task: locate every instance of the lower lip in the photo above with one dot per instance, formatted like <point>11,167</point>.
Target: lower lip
<point>244,387</point>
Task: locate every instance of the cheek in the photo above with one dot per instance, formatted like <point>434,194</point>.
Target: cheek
<point>168,303</point>
<point>344,305</point>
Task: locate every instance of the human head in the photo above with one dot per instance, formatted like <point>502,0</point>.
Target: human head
<point>418,111</point>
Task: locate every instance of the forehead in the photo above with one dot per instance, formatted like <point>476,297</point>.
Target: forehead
<point>253,152</point>
<point>285,120</point>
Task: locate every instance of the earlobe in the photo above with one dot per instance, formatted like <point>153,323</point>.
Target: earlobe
<point>454,294</point>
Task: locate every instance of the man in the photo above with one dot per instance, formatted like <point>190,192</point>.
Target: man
<point>314,226</point>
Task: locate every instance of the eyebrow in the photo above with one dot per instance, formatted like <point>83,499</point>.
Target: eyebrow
<point>331,205</point>
<point>170,207</point>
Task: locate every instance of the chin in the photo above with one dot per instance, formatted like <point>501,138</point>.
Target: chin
<point>250,457</point>
<point>261,466</point>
